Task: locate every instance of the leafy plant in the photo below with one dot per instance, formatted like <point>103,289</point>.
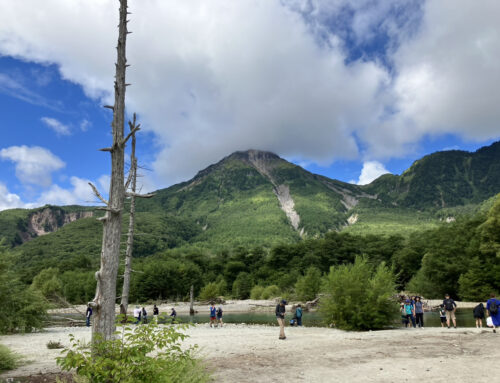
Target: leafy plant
<point>146,354</point>
<point>309,285</point>
<point>359,297</point>
<point>256,292</point>
<point>271,291</point>
<point>54,345</point>
<point>8,360</point>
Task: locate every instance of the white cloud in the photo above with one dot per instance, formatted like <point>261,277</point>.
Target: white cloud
<point>84,125</point>
<point>9,200</point>
<point>34,165</point>
<point>371,171</point>
<point>79,194</point>
<point>58,127</point>
<point>231,75</point>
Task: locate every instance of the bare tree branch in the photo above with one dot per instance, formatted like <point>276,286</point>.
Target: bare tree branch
<point>98,195</point>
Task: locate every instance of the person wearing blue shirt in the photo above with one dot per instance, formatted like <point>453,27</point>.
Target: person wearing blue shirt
<point>213,313</point>
<point>493,307</point>
<point>298,315</point>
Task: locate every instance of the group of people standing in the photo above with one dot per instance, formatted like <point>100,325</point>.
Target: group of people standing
<point>215,315</point>
<point>412,312</point>
<point>280,317</point>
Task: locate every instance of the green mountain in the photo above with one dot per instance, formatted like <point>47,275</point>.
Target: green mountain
<point>256,198</point>
<point>443,179</point>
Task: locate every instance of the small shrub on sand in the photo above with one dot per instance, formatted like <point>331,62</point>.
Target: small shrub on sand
<point>209,292</point>
<point>359,296</point>
<point>54,345</point>
<point>8,360</point>
<point>309,285</point>
<point>147,354</point>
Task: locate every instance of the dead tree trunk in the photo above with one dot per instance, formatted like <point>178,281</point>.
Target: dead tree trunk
<point>105,298</point>
<point>191,300</point>
<point>130,237</point>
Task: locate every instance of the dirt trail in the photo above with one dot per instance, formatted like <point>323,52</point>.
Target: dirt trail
<point>252,353</point>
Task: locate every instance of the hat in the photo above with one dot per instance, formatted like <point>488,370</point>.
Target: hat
<point>407,301</point>
<point>283,301</point>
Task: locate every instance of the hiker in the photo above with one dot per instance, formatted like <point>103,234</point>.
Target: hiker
<point>280,316</point>
<point>173,315</point>
<point>219,315</point>
<point>410,313</point>
<point>478,313</point>
<point>298,315</point>
<point>213,313</point>
<point>137,315</point>
<point>156,312</point>
<point>493,305</point>
<point>404,318</point>
<point>419,312</point>
<point>442,315</point>
<point>450,307</point>
<point>144,315</point>
<point>88,314</point>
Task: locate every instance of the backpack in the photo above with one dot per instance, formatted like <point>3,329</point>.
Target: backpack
<point>219,311</point>
<point>493,308</point>
<point>448,305</point>
<point>408,309</point>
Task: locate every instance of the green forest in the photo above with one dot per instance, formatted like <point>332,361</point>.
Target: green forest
<point>461,258</point>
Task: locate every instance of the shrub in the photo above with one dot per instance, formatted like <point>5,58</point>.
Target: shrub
<point>209,292</point>
<point>308,286</point>
<point>271,291</point>
<point>359,297</point>
<point>54,345</point>
<point>256,292</point>
<point>146,354</point>
<point>8,360</point>
<point>242,286</point>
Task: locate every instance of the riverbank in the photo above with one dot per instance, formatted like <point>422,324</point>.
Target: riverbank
<point>252,353</point>
<point>237,306</point>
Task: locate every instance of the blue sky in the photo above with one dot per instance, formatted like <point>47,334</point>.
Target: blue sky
<point>348,90</point>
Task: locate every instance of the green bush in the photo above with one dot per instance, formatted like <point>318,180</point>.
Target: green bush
<point>359,297</point>
<point>242,286</point>
<point>256,292</point>
<point>147,354</point>
<point>8,360</point>
<point>22,309</point>
<point>209,292</point>
<point>271,291</point>
<point>308,286</point>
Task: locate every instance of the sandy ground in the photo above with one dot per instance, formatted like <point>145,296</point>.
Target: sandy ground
<point>252,353</point>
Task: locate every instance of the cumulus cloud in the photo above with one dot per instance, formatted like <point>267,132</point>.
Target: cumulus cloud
<point>58,127</point>
<point>79,194</point>
<point>9,200</point>
<point>34,165</point>
<point>213,77</point>
<point>84,125</point>
<point>371,171</point>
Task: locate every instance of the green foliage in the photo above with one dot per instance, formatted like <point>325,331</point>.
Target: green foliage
<point>47,282</point>
<point>490,230</point>
<point>209,292</point>
<point>309,285</point>
<point>8,360</point>
<point>359,297</point>
<point>23,310</point>
<point>147,353</point>
<point>256,292</point>
<point>242,286</point>
<point>51,345</point>
<point>271,291</point>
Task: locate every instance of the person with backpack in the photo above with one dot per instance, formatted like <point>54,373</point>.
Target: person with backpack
<point>173,315</point>
<point>213,313</point>
<point>298,315</point>
<point>493,307</point>
<point>450,307</point>
<point>156,312</point>
<point>419,312</point>
<point>88,315</point>
<point>144,315</point>
<point>219,315</point>
<point>280,317</point>
<point>478,313</point>
<point>409,312</point>
<point>404,319</point>
<point>137,315</point>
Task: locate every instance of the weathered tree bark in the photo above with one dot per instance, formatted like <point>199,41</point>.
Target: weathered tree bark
<point>131,222</point>
<point>105,298</point>
<point>191,300</point>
